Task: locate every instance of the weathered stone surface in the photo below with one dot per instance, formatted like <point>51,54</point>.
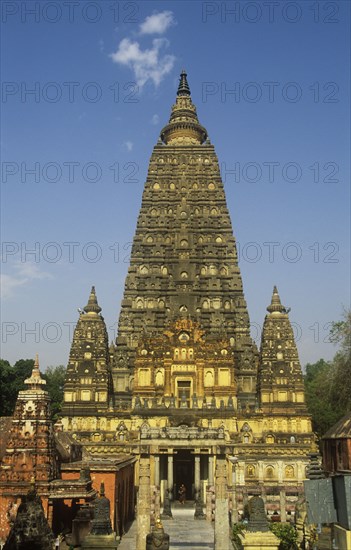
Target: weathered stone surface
<point>257,519</point>
<point>143,504</point>
<point>157,539</point>
<point>221,534</point>
<point>101,524</point>
<point>31,530</point>
<point>101,534</point>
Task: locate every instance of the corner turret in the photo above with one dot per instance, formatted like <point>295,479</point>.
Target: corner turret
<point>88,379</point>
<point>280,379</point>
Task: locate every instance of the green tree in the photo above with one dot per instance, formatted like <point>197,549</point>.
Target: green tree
<point>55,377</point>
<point>341,387</point>
<point>318,388</point>
<point>5,370</point>
<point>328,392</point>
<point>11,382</point>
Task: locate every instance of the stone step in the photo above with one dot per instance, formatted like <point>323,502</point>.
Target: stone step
<point>184,531</point>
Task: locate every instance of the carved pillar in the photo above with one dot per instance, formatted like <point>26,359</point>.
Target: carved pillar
<point>210,470</point>
<point>260,472</point>
<point>170,476</point>
<point>144,504</point>
<point>234,495</point>
<point>197,473</point>
<point>283,506</point>
<point>209,492</point>
<point>168,389</point>
<point>200,379</point>
<point>157,470</point>
<point>221,534</point>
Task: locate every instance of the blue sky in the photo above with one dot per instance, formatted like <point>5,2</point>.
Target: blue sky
<point>271,85</point>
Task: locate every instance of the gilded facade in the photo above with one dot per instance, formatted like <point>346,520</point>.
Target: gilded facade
<point>184,385</point>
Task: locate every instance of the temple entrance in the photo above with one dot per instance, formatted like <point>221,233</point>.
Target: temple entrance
<point>184,472</point>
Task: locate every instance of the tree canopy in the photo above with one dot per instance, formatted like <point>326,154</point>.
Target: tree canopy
<point>327,383</point>
<point>11,382</point>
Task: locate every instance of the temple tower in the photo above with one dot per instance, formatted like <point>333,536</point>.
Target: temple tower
<point>87,390</point>
<point>30,456</point>
<point>280,379</point>
<point>189,394</point>
<point>184,259</point>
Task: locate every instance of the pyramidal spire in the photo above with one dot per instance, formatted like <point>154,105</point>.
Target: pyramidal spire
<point>183,88</point>
<point>92,305</point>
<point>276,304</point>
<point>35,380</point>
<point>36,365</point>
<point>183,127</point>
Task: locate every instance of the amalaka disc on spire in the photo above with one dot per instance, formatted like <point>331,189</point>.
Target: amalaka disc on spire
<point>276,304</point>
<point>183,127</point>
<point>92,305</point>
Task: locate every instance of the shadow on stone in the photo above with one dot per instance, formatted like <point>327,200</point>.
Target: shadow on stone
<point>30,530</point>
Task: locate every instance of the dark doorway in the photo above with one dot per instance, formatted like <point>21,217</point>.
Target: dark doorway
<point>184,472</point>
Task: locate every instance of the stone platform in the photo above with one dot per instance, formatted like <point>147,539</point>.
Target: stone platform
<point>184,531</point>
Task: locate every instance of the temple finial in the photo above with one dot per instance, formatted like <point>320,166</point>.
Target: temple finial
<point>276,304</point>
<point>35,380</point>
<point>183,127</point>
<point>36,363</point>
<point>183,88</point>
<point>92,305</point>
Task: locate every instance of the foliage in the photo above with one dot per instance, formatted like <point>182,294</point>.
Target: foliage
<point>341,334</point>
<point>318,388</point>
<point>286,533</point>
<point>238,529</point>
<point>12,381</point>
<point>55,378</point>
<point>328,397</point>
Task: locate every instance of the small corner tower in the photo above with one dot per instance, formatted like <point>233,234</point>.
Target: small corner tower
<point>87,381</point>
<point>30,456</point>
<point>280,377</point>
<point>30,448</point>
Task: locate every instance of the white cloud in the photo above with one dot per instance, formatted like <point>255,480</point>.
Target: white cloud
<point>148,64</point>
<point>155,120</point>
<point>24,274</point>
<point>128,145</point>
<point>8,284</point>
<point>157,23</point>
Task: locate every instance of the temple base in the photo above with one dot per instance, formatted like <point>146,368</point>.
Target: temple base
<point>260,541</point>
<point>100,542</point>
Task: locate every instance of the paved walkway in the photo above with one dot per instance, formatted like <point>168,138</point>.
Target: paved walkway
<point>184,531</point>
